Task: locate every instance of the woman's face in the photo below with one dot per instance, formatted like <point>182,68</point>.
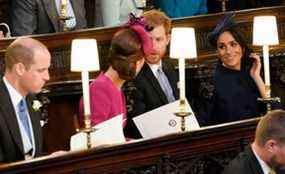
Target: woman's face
<point>229,50</point>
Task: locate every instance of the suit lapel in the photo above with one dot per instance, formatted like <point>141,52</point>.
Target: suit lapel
<point>150,76</point>
<point>10,115</point>
<point>78,7</point>
<point>254,164</point>
<point>51,11</point>
<point>35,119</point>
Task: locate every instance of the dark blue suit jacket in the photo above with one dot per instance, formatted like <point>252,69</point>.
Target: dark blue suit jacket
<point>149,95</point>
<point>11,145</point>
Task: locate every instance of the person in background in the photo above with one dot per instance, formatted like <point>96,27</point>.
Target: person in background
<point>156,84</point>
<point>231,5</point>
<point>128,48</point>
<point>26,71</point>
<point>266,155</point>
<point>116,12</point>
<point>37,17</point>
<point>182,8</point>
<point>237,83</point>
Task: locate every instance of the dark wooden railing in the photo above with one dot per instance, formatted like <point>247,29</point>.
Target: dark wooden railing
<point>204,151</point>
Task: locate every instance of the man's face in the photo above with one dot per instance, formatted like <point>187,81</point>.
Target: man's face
<point>34,78</point>
<point>160,41</point>
<point>278,158</point>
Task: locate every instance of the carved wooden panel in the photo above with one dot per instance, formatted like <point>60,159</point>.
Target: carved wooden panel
<point>199,152</point>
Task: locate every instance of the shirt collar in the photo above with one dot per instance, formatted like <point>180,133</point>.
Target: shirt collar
<point>154,67</point>
<point>264,165</point>
<point>15,96</point>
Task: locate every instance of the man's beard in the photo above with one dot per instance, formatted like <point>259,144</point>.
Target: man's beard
<point>274,164</point>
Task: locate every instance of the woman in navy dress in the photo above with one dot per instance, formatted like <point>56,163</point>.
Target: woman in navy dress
<point>237,81</point>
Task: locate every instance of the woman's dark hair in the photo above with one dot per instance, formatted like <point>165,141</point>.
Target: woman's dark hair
<point>125,51</point>
<point>238,35</point>
<point>228,24</point>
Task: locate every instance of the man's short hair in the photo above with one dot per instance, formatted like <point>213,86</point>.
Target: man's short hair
<point>271,126</point>
<point>22,50</point>
<point>155,18</point>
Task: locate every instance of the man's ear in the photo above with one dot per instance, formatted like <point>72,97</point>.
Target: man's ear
<point>168,37</point>
<point>271,146</point>
<point>20,68</point>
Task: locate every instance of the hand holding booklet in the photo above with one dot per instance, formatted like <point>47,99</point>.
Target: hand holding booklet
<point>107,132</point>
<point>162,121</point>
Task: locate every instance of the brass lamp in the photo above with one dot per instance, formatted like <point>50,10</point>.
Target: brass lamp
<point>265,34</point>
<point>182,46</point>
<point>84,58</point>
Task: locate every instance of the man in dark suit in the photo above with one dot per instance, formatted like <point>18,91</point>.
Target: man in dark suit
<point>26,71</point>
<point>156,83</point>
<point>267,153</point>
<point>42,16</point>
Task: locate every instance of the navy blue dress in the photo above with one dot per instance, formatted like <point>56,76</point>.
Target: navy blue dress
<point>234,97</point>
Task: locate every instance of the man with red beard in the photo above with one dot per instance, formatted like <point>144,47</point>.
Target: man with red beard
<point>156,84</point>
<point>267,153</point>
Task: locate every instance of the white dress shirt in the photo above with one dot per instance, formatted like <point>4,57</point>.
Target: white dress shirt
<point>264,165</point>
<point>154,67</point>
<point>16,97</point>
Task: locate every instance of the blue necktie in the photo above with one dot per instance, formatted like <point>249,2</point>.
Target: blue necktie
<point>164,84</point>
<point>22,108</point>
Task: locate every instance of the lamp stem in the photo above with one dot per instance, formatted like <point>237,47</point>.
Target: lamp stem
<point>266,64</point>
<point>182,84</point>
<point>86,97</point>
<point>86,104</point>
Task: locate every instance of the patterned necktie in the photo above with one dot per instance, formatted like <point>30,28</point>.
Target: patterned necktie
<point>22,111</point>
<point>71,23</point>
<point>164,84</point>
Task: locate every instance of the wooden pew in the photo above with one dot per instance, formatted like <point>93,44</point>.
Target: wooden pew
<point>204,151</point>
<point>64,88</point>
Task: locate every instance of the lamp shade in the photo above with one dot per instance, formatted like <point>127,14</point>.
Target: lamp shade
<point>183,43</point>
<point>265,30</point>
<point>84,55</point>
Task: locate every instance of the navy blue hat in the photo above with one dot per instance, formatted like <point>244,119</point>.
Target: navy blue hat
<point>225,24</point>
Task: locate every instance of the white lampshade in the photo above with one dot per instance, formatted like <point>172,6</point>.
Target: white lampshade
<point>183,43</point>
<point>84,55</point>
<point>265,30</point>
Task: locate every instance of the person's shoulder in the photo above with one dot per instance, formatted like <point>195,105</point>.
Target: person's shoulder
<point>100,85</point>
<point>236,166</point>
<point>142,74</point>
<point>240,164</point>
